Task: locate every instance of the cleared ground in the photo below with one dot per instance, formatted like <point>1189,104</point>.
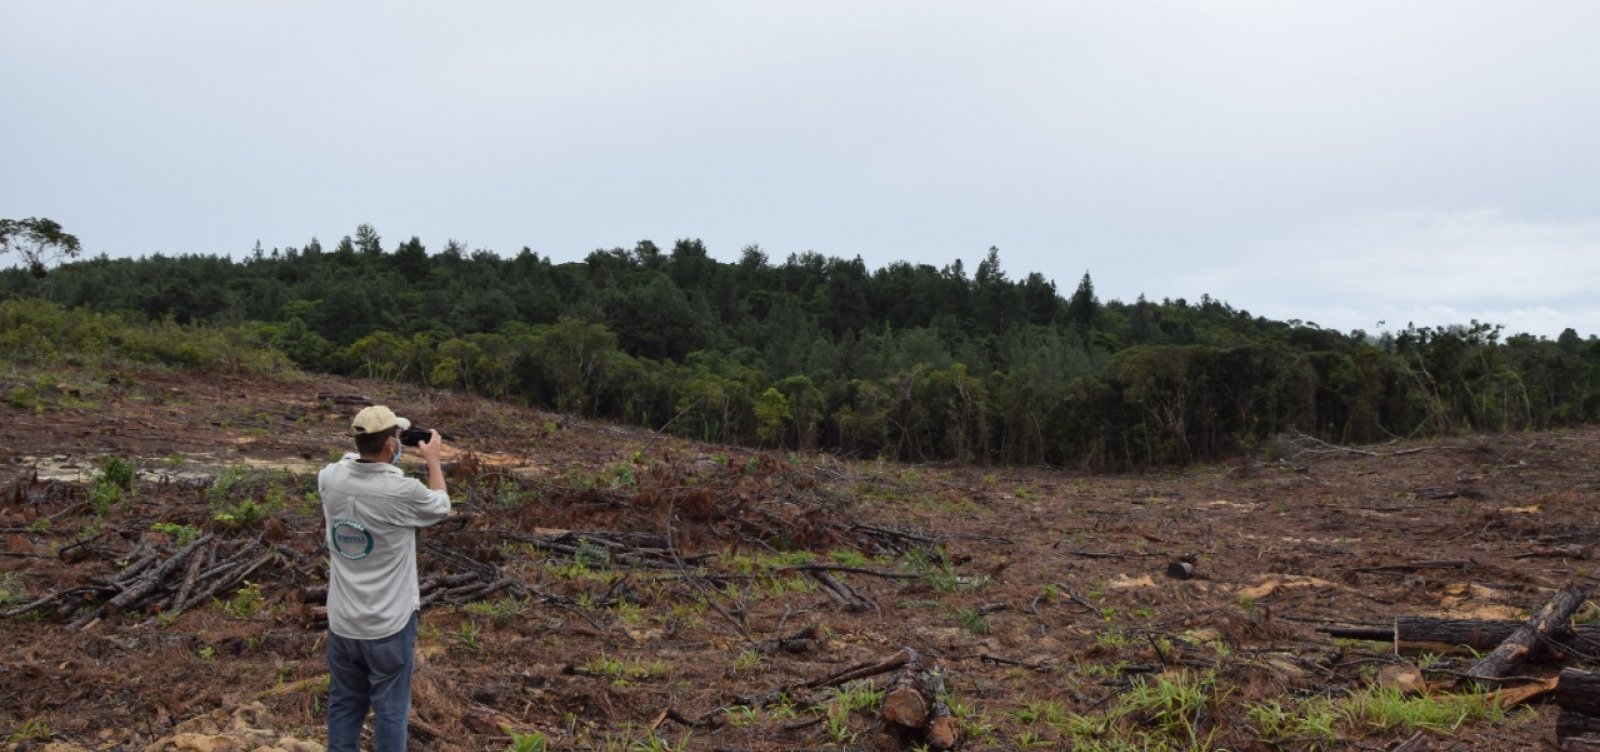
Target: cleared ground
<point>638,583</point>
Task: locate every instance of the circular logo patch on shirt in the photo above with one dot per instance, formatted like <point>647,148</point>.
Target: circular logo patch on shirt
<point>350,539</point>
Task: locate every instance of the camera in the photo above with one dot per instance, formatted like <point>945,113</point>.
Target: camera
<point>414,435</point>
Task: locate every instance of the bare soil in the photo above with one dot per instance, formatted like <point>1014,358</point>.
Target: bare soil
<point>1024,587</point>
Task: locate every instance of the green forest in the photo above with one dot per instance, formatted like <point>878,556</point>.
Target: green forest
<point>907,362</point>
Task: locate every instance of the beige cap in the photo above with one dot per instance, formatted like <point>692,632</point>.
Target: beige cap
<point>376,419</point>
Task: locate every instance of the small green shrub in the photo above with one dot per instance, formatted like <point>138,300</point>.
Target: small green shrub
<point>243,497</point>
<point>23,398</point>
<point>470,635</point>
<point>973,621</point>
<point>245,603</point>
<point>182,535</point>
<point>102,495</point>
<point>592,555</point>
<point>937,572</point>
<point>530,742</point>
<point>34,730</point>
<point>118,471</point>
<point>12,591</point>
<point>624,672</point>
<point>245,514</point>
<point>748,660</point>
<point>501,611</point>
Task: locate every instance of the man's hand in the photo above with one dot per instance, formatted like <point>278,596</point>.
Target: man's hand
<point>430,450</point>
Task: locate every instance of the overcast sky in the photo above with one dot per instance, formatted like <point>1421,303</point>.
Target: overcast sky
<point>1343,163</point>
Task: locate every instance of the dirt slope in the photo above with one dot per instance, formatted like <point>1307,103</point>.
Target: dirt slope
<point>1041,596</point>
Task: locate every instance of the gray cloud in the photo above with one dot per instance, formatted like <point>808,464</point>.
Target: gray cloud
<point>1342,163</point>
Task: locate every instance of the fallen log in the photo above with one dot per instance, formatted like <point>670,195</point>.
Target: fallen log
<point>906,699</point>
<point>943,729</point>
<point>1529,637</point>
<point>799,642</point>
<point>1475,634</point>
<point>1181,570</point>
<point>189,579</point>
<point>863,670</point>
<point>234,571</point>
<point>1585,743</point>
<point>848,570</point>
<point>1575,723</point>
<point>1575,551</point>
<point>1579,691</point>
<point>67,599</point>
<point>1578,725</point>
<point>914,701</point>
<point>847,596</point>
<point>343,399</point>
<point>1415,566</point>
<point>141,559</point>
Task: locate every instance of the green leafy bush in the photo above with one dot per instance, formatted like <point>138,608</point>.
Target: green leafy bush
<point>118,471</point>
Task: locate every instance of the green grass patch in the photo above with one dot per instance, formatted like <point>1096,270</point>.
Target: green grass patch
<point>624,672</point>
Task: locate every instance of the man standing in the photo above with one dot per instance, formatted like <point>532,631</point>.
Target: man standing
<point>371,511</point>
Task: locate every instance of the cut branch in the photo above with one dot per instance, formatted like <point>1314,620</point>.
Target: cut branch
<point>1529,637</point>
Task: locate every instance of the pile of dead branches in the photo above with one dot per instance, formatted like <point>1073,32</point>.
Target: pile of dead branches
<point>670,516</point>
<point>764,502</point>
<point>158,580</point>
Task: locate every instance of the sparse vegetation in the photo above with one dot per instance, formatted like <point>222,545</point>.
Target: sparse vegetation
<point>501,611</point>
<point>246,602</point>
<point>114,480</point>
<point>972,621</point>
<point>533,741</point>
<point>625,671</point>
<point>32,730</point>
<point>470,636</point>
<point>1035,605</point>
<point>12,591</point>
<point>182,535</point>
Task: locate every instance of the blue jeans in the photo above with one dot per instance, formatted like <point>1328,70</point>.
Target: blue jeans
<point>372,674</point>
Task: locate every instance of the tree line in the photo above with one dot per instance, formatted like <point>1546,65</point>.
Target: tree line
<point>909,361</point>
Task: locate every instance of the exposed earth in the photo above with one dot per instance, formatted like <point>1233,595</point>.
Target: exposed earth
<point>610,588</point>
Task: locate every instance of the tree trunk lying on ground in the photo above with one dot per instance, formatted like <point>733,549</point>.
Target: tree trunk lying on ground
<point>1530,637</point>
<point>943,729</point>
<point>1475,634</point>
<point>905,701</point>
<point>913,701</point>
<point>1578,726</point>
